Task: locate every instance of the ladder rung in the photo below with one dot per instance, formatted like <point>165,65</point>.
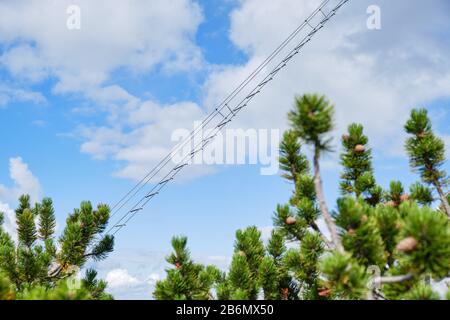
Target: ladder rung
<point>301,45</point>
<point>278,69</point>
<point>239,108</point>
<point>165,181</point>
<point>252,95</point>
<point>315,30</point>
<point>210,137</point>
<point>290,57</point>
<point>152,195</point>
<point>194,152</point>
<point>339,6</point>
<point>223,124</point>
<point>180,167</point>
<point>265,82</point>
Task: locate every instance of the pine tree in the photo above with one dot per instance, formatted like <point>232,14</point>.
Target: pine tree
<point>427,153</point>
<point>360,233</point>
<point>275,280</point>
<point>345,278</point>
<point>248,255</point>
<point>312,121</point>
<point>386,244</point>
<point>187,280</point>
<point>304,262</point>
<point>357,178</point>
<point>40,263</point>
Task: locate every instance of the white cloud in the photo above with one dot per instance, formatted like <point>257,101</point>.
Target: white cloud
<point>132,274</point>
<point>153,279</point>
<point>120,278</point>
<point>373,77</point>
<point>141,135</point>
<point>133,35</point>
<point>24,182</point>
<point>10,94</point>
<point>9,223</point>
<point>371,84</point>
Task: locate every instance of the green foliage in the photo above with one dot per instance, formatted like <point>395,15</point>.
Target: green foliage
<point>427,153</point>
<point>47,220</point>
<point>361,236</point>
<point>357,177</point>
<point>36,267</point>
<point>421,292</point>
<point>394,243</point>
<point>292,161</point>
<point>7,291</point>
<point>242,281</point>
<point>421,194</point>
<point>312,120</point>
<point>275,279</point>
<point>62,291</point>
<point>388,222</point>
<point>95,287</point>
<point>304,263</point>
<point>186,280</point>
<point>244,271</point>
<point>346,278</point>
<point>395,193</point>
<point>431,230</point>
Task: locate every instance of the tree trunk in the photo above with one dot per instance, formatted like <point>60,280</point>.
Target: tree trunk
<point>443,197</point>
<point>323,207</point>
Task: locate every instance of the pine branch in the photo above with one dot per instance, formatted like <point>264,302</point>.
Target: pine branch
<point>393,279</point>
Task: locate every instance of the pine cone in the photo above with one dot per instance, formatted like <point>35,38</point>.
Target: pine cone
<point>345,137</point>
<point>325,293</point>
<point>290,221</point>
<point>404,197</point>
<point>407,245</point>
<point>359,148</point>
<point>421,135</point>
<point>178,265</point>
<point>391,204</point>
<point>241,253</point>
<point>284,293</point>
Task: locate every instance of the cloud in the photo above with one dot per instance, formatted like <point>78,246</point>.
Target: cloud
<point>373,77</point>
<point>10,220</point>
<point>10,94</point>
<point>132,273</point>
<point>119,278</point>
<point>127,37</point>
<point>24,182</point>
<point>371,81</point>
<point>141,135</point>
<point>131,35</point>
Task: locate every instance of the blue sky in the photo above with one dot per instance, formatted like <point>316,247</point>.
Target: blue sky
<point>88,111</point>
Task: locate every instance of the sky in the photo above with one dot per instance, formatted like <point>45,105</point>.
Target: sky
<point>85,113</point>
